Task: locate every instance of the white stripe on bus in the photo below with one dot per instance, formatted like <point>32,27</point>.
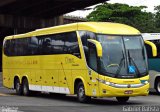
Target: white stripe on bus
<point>53,89</point>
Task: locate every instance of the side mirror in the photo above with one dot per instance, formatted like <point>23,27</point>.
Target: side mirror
<point>153,46</point>
<point>97,45</point>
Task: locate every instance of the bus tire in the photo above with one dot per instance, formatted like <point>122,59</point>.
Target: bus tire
<point>157,86</point>
<point>18,87</point>
<point>122,99</point>
<point>25,87</point>
<point>81,93</point>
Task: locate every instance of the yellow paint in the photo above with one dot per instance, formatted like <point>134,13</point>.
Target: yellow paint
<point>98,47</point>
<point>64,69</point>
<point>153,46</point>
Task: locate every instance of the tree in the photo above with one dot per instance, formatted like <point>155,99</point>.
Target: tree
<point>123,13</point>
<point>157,17</point>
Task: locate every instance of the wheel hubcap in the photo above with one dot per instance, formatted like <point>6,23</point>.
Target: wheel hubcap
<point>25,89</point>
<point>81,92</point>
<point>17,86</point>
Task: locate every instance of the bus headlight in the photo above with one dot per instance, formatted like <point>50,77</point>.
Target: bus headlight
<point>105,82</point>
<point>143,82</point>
<point>146,82</point>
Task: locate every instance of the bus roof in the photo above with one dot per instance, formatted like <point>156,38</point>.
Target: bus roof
<point>97,27</point>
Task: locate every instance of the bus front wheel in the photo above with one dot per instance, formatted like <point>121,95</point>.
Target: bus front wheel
<point>81,93</point>
<point>18,87</point>
<point>122,99</point>
<point>25,88</point>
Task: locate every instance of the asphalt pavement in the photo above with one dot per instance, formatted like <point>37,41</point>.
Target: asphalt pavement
<point>43,102</point>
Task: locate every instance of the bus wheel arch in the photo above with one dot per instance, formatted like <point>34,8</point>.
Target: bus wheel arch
<point>23,78</point>
<point>17,85</point>
<point>78,80</point>
<point>79,89</point>
<point>157,84</point>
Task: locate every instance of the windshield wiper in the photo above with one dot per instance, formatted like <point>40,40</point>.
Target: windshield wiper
<point>131,59</point>
<point>120,65</point>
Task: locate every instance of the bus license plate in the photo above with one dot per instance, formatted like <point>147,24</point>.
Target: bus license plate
<point>128,92</point>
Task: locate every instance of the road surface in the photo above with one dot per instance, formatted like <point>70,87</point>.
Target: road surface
<point>58,103</point>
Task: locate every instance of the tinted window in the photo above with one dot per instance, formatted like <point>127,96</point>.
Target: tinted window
<point>18,48</point>
<point>71,44</point>
<point>65,43</point>
<point>7,47</point>
<point>92,61</point>
<point>84,36</point>
<point>32,46</point>
<point>58,43</point>
<point>45,45</point>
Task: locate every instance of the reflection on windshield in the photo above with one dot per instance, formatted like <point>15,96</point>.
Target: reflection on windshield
<point>136,53</point>
<point>113,53</point>
<point>115,61</point>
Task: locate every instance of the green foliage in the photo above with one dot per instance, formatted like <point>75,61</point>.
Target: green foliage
<point>131,15</point>
<point>157,17</point>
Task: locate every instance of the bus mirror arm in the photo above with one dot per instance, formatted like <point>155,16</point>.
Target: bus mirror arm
<point>97,45</point>
<point>153,46</point>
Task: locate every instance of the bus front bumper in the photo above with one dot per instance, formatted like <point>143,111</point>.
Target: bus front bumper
<point>109,91</point>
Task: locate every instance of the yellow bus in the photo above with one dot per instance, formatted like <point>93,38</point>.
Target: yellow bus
<point>90,59</point>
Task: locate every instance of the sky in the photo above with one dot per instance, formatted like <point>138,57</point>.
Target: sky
<point>149,3</point>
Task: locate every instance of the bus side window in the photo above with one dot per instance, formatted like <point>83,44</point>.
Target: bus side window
<point>46,45</point>
<point>71,44</point>
<point>84,36</point>
<point>92,59</point>
<point>58,44</point>
<point>32,46</point>
<point>6,48</point>
<point>12,48</point>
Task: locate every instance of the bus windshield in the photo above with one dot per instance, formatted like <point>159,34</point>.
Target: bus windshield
<point>123,56</point>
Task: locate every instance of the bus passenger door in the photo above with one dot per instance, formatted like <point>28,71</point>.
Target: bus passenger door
<point>92,71</point>
<point>92,82</point>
